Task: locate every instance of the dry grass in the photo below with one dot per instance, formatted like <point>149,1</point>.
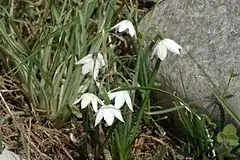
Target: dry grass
<point>26,133</point>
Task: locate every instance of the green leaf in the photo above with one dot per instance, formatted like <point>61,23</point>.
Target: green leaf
<point>230,139</point>
<point>228,135</point>
<point>226,106</point>
<point>164,111</point>
<point>230,128</point>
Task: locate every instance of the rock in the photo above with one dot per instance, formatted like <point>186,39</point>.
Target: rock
<point>8,155</point>
<point>209,32</point>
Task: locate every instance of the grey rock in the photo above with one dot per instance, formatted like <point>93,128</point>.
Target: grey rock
<point>209,32</point>
<point>8,155</point>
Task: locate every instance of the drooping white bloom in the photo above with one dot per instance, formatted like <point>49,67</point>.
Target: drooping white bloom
<point>88,98</point>
<point>126,26</point>
<point>92,65</point>
<point>162,46</point>
<point>120,98</point>
<point>108,112</point>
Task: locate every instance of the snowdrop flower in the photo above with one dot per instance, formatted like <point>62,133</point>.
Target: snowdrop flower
<point>120,98</point>
<point>88,98</point>
<point>162,46</point>
<point>108,112</point>
<point>91,65</point>
<point>126,26</point>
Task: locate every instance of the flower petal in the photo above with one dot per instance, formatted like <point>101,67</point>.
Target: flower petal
<point>100,60</point>
<point>100,101</point>
<point>132,32</point>
<point>117,114</point>
<point>116,26</point>
<point>76,101</point>
<point>86,68</point>
<point>108,112</point>
<point>94,104</point>
<point>99,116</point>
<point>111,95</point>
<point>98,64</point>
<point>123,25</point>
<point>172,46</point>
<point>86,99</point>
<point>108,117</point>
<point>95,72</point>
<point>128,101</point>
<point>154,51</point>
<point>161,51</point>
<point>126,26</point>
<point>119,101</point>
<point>85,59</point>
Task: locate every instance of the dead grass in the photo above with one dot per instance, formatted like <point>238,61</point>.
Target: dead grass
<point>26,133</point>
<point>23,131</point>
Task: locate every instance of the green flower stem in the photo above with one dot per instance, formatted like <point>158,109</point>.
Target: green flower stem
<point>141,112</point>
<point>151,84</point>
<point>97,142</point>
<point>121,157</point>
<point>226,107</point>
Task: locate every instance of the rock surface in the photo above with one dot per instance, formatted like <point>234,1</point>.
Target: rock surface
<point>209,32</point>
<point>8,155</point>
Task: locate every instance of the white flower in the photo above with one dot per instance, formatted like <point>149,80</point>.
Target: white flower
<point>91,65</point>
<point>88,98</point>
<point>162,46</point>
<point>120,98</point>
<point>108,112</point>
<point>126,26</point>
